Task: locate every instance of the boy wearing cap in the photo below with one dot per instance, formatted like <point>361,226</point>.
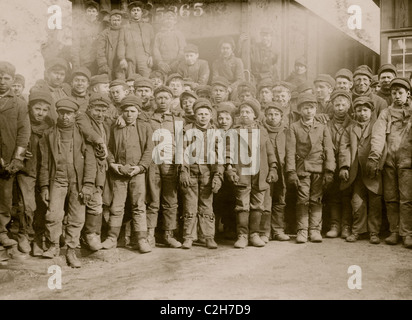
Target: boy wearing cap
<point>192,67</point>
<point>169,44</point>
<point>162,175</point>
<point>199,180</point>
<point>250,180</point>
<point>324,85</point>
<point>386,73</point>
<point>118,91</point>
<point>245,90</point>
<point>354,150</point>
<point>393,130</point>
<point>31,217</point>
<point>14,138</point>
<point>130,152</point>
<point>107,42</point>
<point>144,90</point>
<point>265,94</point>
<point>18,86</point>
<point>299,74</point>
<point>80,84</point>
<point>187,101</point>
<point>310,163</point>
<point>134,49</point>
<point>158,78</point>
<point>336,200</point>
<point>362,78</point>
<point>220,91</point>
<point>176,84</point>
<point>228,66</point>
<point>282,94</point>
<point>344,79</point>
<point>67,171</point>
<point>273,224</point>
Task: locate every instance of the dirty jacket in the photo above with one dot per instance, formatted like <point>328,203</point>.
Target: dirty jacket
<point>309,150</point>
<point>379,103</point>
<point>106,48</point>
<point>199,72</point>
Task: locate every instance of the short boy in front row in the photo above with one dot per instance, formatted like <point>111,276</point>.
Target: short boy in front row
<point>199,181</point>
<point>250,188</point>
<point>353,155</point>
<point>130,152</point>
<point>310,163</point>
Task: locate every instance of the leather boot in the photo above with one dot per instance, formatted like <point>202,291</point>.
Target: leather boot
<point>187,244</point>
<point>111,240</point>
<point>302,236</point>
<point>170,241</point>
<point>407,242</point>
<point>5,241</point>
<point>52,252</point>
<point>93,242</point>
<point>151,237</point>
<point>23,243</point>
<point>241,242</point>
<point>333,232</point>
<point>211,243</point>
<point>72,259</point>
<point>256,241</point>
<point>315,236</point>
<point>392,239</point>
<point>143,246</point>
<point>346,232</point>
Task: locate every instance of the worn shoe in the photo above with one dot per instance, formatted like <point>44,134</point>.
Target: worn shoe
<point>6,241</point>
<point>352,238</point>
<point>392,239</point>
<point>281,237</point>
<point>52,252</point>
<point>256,241</point>
<point>315,236</point>
<point>407,242</point>
<point>93,242</point>
<point>333,232</point>
<point>187,244</point>
<point>346,232</point>
<point>374,238</point>
<point>264,238</point>
<point>211,243</point>
<point>151,237</point>
<point>23,243</point>
<point>241,242</point>
<point>109,243</point>
<point>143,246</point>
<point>37,251</point>
<point>170,241</point>
<point>72,260</point>
<point>302,236</point>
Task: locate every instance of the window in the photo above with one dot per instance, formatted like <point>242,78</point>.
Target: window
<point>400,55</point>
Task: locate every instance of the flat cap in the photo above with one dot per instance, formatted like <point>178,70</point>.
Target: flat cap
<point>188,94</point>
<point>203,88</point>
<point>364,100</point>
<point>265,83</point>
<point>133,4</point>
<point>40,95</point>
<point>91,4</point>
<point>162,89</point>
<point>7,67</point>
<point>57,62</point>
<point>118,82</point>
<point>306,97</point>
<point>202,103</point>
<point>245,85</point>
<point>157,74</point>
<point>227,40</point>
<point>226,106</point>
<point>284,84</point>
<point>323,77</point>
<point>402,82</point>
<point>340,92</point>
<point>134,77</point>
<point>220,81</point>
<point>82,71</point>
<point>116,11</point>
<point>67,103</point>
<point>99,99</point>
<point>101,78</point>
<point>388,67</point>
<point>18,78</point>
<point>304,87</point>
<point>131,101</point>
<point>191,48</point>
<point>144,83</point>
<point>254,104</point>
<point>363,70</point>
<point>274,105</point>
<point>173,76</point>
<point>344,73</point>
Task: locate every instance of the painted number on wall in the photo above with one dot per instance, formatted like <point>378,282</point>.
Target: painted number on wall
<point>184,10</point>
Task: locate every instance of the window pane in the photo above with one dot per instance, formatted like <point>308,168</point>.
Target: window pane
<point>397,46</point>
<point>408,45</point>
<point>397,62</point>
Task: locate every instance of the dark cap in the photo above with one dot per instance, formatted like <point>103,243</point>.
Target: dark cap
<point>99,99</point>
<point>40,95</point>
<point>284,84</point>
<point>246,86</point>
<point>134,77</point>
<point>402,82</point>
<point>101,78</point>
<point>220,81</point>
<point>133,4</point>
<point>202,103</point>
<point>131,100</point>
<point>203,88</point>
<point>340,92</point>
<point>364,100</point>
<point>226,106</point>
<point>7,67</point>
<point>191,48</point>
<point>274,105</point>
<point>227,40</point>
<point>254,104</point>
<point>143,83</point>
<point>157,74</point>
<point>173,76</point>
<point>306,97</point>
<point>67,103</point>
<point>344,73</point>
<point>118,82</point>
<point>92,4</point>
<point>388,67</point>
<point>116,11</point>
<point>188,93</point>
<point>54,62</point>
<point>304,87</point>
<point>82,71</point>
<point>323,77</point>
<point>363,70</point>
<point>265,83</point>
<point>163,89</point>
<point>19,79</point>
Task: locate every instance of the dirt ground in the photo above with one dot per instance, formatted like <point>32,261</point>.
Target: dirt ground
<point>281,270</point>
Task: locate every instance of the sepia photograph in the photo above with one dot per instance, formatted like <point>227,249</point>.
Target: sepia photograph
<point>202,156</point>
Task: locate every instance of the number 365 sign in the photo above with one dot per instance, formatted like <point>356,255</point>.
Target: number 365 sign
<point>185,10</point>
